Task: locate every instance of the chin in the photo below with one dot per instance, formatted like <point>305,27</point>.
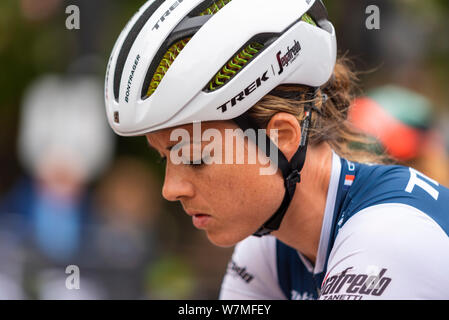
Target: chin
<point>224,240</point>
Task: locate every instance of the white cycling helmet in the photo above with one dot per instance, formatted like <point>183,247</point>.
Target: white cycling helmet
<point>184,61</point>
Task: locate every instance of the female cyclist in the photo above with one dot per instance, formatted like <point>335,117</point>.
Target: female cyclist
<point>327,226</point>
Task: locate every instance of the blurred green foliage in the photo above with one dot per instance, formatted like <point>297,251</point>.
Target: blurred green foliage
<point>170,278</point>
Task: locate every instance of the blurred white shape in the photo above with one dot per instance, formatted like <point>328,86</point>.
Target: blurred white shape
<point>63,123</point>
<point>10,289</point>
<point>51,286</point>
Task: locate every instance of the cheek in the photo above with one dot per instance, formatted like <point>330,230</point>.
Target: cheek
<point>253,190</point>
<point>242,200</point>
<point>231,187</point>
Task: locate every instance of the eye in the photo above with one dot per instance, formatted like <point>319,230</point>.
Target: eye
<point>196,164</point>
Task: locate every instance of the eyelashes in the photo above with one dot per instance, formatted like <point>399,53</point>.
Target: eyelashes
<point>196,164</point>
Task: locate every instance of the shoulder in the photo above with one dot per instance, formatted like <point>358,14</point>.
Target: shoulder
<point>252,271</point>
<point>380,224</point>
<point>402,245</point>
<point>379,184</point>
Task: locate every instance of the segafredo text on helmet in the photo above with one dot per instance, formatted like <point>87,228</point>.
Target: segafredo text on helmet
<point>289,57</point>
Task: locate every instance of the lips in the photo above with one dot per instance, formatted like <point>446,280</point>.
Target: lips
<point>199,219</point>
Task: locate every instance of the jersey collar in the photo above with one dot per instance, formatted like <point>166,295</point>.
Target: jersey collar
<point>326,227</point>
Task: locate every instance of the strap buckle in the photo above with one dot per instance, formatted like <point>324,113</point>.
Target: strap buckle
<point>293,178</point>
<point>263,231</point>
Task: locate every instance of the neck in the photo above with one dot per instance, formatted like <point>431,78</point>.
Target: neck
<point>301,226</point>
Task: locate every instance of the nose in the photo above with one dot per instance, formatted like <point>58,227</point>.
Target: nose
<point>176,187</point>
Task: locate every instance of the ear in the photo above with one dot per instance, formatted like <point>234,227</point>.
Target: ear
<point>288,132</point>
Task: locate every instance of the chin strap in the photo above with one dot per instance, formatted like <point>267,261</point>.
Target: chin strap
<point>290,170</point>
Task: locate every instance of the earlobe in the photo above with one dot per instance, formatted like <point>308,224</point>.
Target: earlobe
<point>288,131</point>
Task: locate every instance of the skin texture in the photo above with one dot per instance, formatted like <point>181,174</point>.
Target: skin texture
<point>238,199</point>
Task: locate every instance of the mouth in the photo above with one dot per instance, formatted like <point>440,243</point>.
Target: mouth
<point>199,220</point>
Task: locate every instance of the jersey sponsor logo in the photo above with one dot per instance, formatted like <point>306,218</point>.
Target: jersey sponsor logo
<point>237,271</point>
<point>295,295</point>
<point>285,59</point>
<point>245,93</point>
<point>352,286</point>
<point>415,180</point>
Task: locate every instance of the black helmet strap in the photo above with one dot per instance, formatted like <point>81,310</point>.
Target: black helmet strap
<point>291,171</point>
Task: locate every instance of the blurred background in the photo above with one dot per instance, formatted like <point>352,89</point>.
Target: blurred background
<point>72,193</point>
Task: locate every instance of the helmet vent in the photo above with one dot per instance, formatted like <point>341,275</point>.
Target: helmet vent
<point>241,59</point>
<point>308,19</point>
<point>175,49</point>
<point>226,73</point>
<point>234,66</point>
<point>166,62</point>
<point>215,7</point>
<point>128,43</point>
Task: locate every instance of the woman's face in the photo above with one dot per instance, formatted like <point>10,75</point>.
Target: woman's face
<point>230,201</point>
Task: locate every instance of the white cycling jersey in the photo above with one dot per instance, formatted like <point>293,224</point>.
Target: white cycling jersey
<point>384,236</point>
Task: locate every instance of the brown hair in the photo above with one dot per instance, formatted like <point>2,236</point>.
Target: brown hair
<point>329,121</point>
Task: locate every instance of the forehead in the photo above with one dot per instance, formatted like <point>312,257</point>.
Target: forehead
<point>161,139</point>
